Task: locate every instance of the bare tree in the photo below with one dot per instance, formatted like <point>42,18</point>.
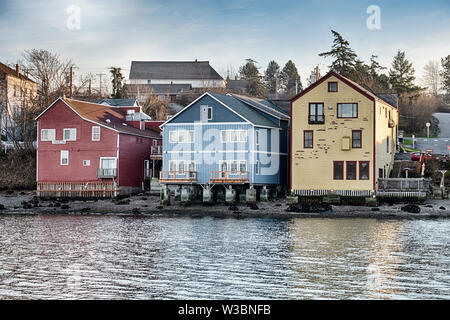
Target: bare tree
<point>432,78</point>
<point>49,71</point>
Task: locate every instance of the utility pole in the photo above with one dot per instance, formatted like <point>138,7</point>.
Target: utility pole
<point>89,88</point>
<point>70,80</point>
<point>100,75</point>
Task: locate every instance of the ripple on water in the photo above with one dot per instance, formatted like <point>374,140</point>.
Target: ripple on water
<point>103,257</point>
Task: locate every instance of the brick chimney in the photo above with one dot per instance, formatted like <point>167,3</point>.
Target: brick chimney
<point>17,70</point>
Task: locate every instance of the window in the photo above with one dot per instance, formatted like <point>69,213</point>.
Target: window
<point>86,163</point>
<point>307,139</point>
<point>347,110</point>
<point>356,139</point>
<point>155,142</point>
<point>351,170</point>
<point>227,136</point>
<point>173,136</point>
<point>257,137</point>
<point>387,144</point>
<point>332,86</point>
<point>234,166</point>
<point>95,133</point>
<point>364,170</point>
<point>181,136</point>
<point>338,170</point>
<point>210,113</point>
<point>70,134</point>
<point>172,165</point>
<point>223,166</point>
<point>108,163</point>
<point>48,134</point>
<point>191,166</point>
<point>181,166</point>
<point>64,158</point>
<point>257,167</point>
<point>242,166</point>
<point>316,115</point>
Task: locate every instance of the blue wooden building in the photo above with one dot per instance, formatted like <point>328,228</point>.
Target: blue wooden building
<point>228,139</point>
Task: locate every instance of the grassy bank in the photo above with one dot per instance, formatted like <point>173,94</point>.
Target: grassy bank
<point>18,170</point>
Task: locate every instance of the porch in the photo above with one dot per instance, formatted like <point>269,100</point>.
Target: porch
<point>178,177</point>
<point>229,177</point>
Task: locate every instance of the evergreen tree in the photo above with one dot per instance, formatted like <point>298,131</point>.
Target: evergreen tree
<point>250,72</point>
<point>290,78</point>
<point>118,86</point>
<point>401,75</point>
<point>271,75</point>
<point>445,77</point>
<point>344,57</point>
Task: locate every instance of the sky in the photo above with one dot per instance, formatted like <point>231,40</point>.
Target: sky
<point>116,32</point>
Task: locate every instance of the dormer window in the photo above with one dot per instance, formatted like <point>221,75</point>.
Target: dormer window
<point>332,86</point>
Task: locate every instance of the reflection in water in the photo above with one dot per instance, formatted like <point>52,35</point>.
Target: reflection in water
<point>103,257</point>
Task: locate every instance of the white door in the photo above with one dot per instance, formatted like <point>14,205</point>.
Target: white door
<point>204,113</point>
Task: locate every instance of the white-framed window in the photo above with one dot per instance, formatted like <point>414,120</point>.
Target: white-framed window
<point>173,136</point>
<point>172,165</point>
<point>70,134</point>
<point>191,165</point>
<point>48,134</point>
<point>108,163</point>
<point>234,165</point>
<point>257,167</point>
<point>181,166</point>
<point>223,165</point>
<point>86,163</point>
<point>95,133</point>
<point>242,166</point>
<point>210,113</point>
<point>155,142</point>
<point>64,160</point>
<point>231,136</point>
<point>185,136</point>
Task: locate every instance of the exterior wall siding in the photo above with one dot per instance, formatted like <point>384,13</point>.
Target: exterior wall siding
<point>312,168</point>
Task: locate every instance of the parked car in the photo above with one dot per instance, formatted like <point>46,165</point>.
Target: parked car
<point>415,156</point>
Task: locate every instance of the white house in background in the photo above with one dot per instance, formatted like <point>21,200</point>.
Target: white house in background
<point>197,74</point>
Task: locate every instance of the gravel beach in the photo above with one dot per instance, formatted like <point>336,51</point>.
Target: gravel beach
<point>149,205</point>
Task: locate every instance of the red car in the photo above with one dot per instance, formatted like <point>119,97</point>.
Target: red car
<point>415,156</point>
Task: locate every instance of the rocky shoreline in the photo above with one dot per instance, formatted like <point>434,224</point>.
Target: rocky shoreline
<point>25,203</point>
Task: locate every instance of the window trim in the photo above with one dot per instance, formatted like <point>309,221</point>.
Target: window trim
<point>103,158</point>
<point>99,133</point>
<point>68,129</point>
<point>238,135</point>
<point>340,103</point>
<point>86,163</point>
<point>343,170</point>
<point>207,113</point>
<point>304,139</point>
<point>368,170</point>
<point>360,139</point>
<point>61,157</point>
<point>346,169</point>
<point>54,134</point>
<point>309,113</point>
<point>329,82</point>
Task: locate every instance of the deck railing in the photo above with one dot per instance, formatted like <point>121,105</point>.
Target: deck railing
<point>400,184</point>
<point>229,177</point>
<point>103,173</point>
<point>178,176</point>
<point>76,189</point>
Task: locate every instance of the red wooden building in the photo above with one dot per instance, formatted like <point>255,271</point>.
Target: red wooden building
<point>92,150</point>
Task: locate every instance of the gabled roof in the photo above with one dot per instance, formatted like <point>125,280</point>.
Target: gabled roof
<point>264,106</point>
<point>168,70</point>
<point>99,113</point>
<point>347,81</point>
<point>119,102</point>
<point>4,68</point>
<point>243,110</point>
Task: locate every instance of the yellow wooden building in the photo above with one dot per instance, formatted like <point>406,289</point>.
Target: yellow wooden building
<point>343,138</point>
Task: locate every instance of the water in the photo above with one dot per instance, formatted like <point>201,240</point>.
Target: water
<point>106,257</point>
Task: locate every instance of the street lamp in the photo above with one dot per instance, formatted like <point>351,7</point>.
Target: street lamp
<point>428,129</point>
